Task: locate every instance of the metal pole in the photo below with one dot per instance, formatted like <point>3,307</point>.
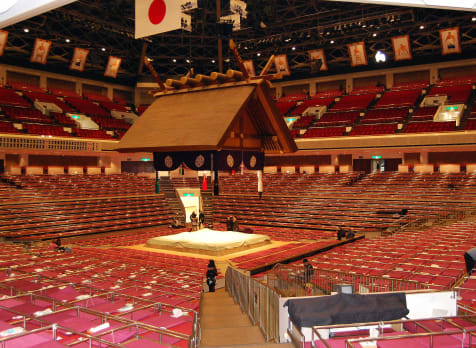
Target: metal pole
<point>220,41</point>
<point>157,182</point>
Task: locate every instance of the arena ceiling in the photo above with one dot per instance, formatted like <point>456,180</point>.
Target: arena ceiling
<point>289,27</point>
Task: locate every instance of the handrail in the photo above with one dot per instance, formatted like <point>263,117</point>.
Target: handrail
<point>290,281</point>
<point>258,300</point>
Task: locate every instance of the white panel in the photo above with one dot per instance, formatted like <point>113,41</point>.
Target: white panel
<point>14,11</point>
<point>465,5</point>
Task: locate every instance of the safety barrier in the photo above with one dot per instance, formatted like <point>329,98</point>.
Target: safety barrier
<point>259,301</point>
<point>290,281</point>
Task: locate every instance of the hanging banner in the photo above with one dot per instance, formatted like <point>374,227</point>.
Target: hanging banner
<point>450,42</point>
<point>112,66</point>
<point>233,19</point>
<point>156,16</point>
<point>186,5</point>
<point>198,160</point>
<point>186,22</point>
<point>250,67</point>
<point>3,41</point>
<point>238,7</point>
<point>282,66</point>
<point>40,51</point>
<point>166,161</point>
<point>227,160</point>
<point>79,59</point>
<point>202,160</point>
<point>318,57</point>
<point>253,160</point>
<point>401,48</point>
<point>357,53</point>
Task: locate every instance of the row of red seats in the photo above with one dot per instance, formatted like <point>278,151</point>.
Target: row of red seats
<point>48,98</point>
<point>419,85</point>
<point>10,97</point>
<point>46,130</point>
<point>456,94</point>
<point>94,134</point>
<point>374,129</point>
<point>7,127</point>
<point>417,127</point>
<point>324,132</point>
<point>354,102</point>
<point>86,106</point>
<point>111,123</point>
<point>367,90</point>
<point>338,118</point>
<point>312,102</point>
<point>25,115</point>
<point>385,115</point>
<point>398,98</point>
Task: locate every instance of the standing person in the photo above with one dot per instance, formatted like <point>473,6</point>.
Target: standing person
<point>229,224</point>
<point>201,219</point>
<point>234,224</point>
<point>211,276</point>
<point>469,258</point>
<point>308,271</point>
<point>194,221</point>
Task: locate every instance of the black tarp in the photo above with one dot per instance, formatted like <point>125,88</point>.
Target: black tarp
<point>346,309</point>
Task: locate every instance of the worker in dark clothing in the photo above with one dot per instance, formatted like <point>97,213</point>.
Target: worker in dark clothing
<point>211,276</point>
<point>469,258</point>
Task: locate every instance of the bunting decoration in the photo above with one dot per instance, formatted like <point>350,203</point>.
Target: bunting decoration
<point>3,41</point>
<point>112,66</point>
<point>357,53</point>
<point>250,67</point>
<point>401,48</point>
<point>40,51</point>
<point>79,59</point>
<point>157,16</point>
<point>450,42</point>
<point>318,55</point>
<point>282,66</point>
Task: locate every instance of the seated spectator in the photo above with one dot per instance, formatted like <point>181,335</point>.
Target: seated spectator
<point>194,221</point>
<point>350,234</point>
<point>340,233</point>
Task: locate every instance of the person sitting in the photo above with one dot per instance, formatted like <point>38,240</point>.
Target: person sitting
<point>340,233</point>
<point>469,258</point>
<point>58,245</point>
<point>350,234</point>
<point>175,222</point>
<point>194,221</point>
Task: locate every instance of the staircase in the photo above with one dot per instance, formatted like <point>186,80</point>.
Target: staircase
<point>225,325</point>
<point>207,199</point>
<point>167,188</point>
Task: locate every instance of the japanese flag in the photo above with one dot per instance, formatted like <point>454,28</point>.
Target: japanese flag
<point>157,16</point>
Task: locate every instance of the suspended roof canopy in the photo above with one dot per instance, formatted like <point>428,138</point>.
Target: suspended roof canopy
<point>233,116</point>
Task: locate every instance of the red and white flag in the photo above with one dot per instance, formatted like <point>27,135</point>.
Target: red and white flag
<point>40,51</point>
<point>316,55</point>
<point>250,67</point>
<point>450,42</point>
<point>157,16</point>
<point>3,40</point>
<point>401,47</point>
<point>112,66</point>
<point>79,59</point>
<point>282,66</point>
<point>357,53</point>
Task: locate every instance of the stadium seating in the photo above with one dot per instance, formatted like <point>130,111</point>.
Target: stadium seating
<point>25,115</point>
<point>324,132</point>
<point>46,130</point>
<point>398,98</point>
<point>346,118</point>
<point>374,129</point>
<point>11,98</point>
<point>394,115</point>
<point>7,127</point>
<point>353,102</point>
<point>421,127</point>
<point>93,134</point>
<point>86,107</point>
<point>48,98</point>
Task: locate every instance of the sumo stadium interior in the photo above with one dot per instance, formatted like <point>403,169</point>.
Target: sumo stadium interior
<point>385,150</point>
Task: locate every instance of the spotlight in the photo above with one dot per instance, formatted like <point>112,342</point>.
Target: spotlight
<point>380,57</point>
<point>227,60</point>
<point>26,30</point>
<point>213,61</point>
<point>67,40</point>
<point>174,60</point>
<point>293,48</point>
<point>258,54</point>
<point>473,19</point>
<point>103,49</point>
<point>422,27</point>
<point>332,41</point>
<point>374,34</point>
